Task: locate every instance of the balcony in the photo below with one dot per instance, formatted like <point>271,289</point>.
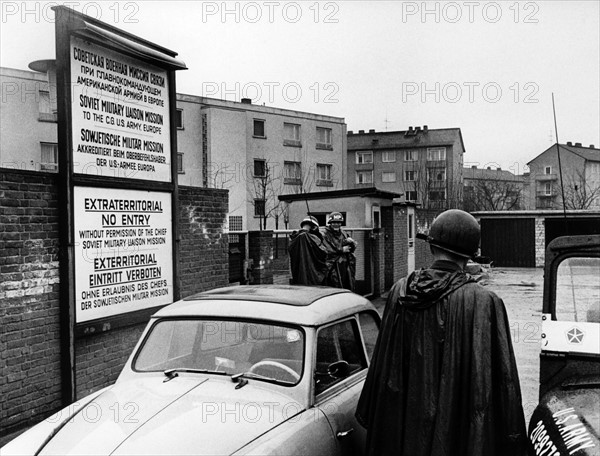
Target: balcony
<point>546,177</point>
<point>324,183</point>
<point>292,143</point>
<point>545,194</point>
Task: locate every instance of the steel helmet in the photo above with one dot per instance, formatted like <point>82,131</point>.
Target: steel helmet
<point>335,217</point>
<point>310,219</point>
<point>455,231</point>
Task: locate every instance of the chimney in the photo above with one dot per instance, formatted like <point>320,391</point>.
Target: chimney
<point>425,128</point>
<point>410,128</point>
<point>591,146</point>
<point>577,144</point>
<point>474,167</point>
<point>569,143</point>
<point>350,132</point>
<point>498,169</point>
<point>489,168</point>
<point>247,100</point>
<point>371,130</point>
<point>361,131</point>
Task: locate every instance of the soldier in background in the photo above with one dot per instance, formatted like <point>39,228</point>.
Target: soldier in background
<point>307,254</point>
<point>341,262</point>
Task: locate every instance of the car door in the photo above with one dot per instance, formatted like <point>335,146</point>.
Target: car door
<point>337,393</point>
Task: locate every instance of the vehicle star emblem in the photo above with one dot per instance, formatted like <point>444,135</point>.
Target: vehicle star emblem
<point>575,336</point>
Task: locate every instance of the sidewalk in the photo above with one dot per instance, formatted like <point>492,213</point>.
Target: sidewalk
<point>379,302</point>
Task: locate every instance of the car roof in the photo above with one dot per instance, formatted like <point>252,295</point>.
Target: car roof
<point>305,305</point>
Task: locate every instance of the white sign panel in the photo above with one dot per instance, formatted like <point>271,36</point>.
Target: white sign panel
<point>120,115</point>
<point>123,251</point>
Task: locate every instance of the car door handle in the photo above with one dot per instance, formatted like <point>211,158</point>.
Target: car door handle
<point>342,434</point>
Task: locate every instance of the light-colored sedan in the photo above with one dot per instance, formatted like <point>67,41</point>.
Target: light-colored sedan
<point>240,370</point>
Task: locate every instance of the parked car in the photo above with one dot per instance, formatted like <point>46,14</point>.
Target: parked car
<point>567,419</point>
<point>240,370</point>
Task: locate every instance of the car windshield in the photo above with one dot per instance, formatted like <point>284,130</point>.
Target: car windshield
<point>272,352</point>
<point>578,290</point>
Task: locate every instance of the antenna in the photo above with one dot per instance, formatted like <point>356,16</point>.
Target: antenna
<point>386,120</point>
<point>562,188</point>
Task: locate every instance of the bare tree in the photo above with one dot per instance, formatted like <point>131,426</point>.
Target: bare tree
<point>263,189</point>
<point>493,195</point>
<point>433,190</point>
<point>580,193</point>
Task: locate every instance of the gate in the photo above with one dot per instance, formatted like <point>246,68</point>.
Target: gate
<point>509,242</point>
<point>237,256</point>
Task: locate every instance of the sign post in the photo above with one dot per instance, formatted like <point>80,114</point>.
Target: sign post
<point>118,179</point>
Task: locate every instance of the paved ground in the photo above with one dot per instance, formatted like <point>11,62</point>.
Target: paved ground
<point>521,289</point>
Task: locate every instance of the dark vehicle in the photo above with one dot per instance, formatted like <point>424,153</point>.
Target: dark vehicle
<point>567,419</point>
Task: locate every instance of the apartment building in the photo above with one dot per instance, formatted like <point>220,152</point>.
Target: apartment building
<point>424,164</point>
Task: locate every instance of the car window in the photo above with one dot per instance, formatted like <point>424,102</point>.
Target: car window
<point>335,343</point>
<point>269,350</point>
<point>369,326</point>
<point>578,290</point>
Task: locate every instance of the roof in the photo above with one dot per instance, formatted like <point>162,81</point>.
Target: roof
<point>292,304</point>
<point>400,139</point>
<point>489,174</point>
<point>587,153</point>
<point>346,193</point>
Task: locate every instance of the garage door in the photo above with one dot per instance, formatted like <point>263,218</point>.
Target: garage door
<point>509,242</point>
<point>556,227</point>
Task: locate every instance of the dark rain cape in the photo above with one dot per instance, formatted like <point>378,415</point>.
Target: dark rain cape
<point>443,378</point>
<point>307,258</point>
<point>341,266</point>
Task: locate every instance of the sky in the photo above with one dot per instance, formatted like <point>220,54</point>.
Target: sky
<point>488,68</point>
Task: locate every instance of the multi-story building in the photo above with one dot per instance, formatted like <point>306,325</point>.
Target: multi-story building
<point>487,189</point>
<point>256,152</point>
<point>424,164</point>
<point>580,168</point>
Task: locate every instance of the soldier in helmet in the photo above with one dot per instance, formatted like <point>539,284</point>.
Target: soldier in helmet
<point>307,254</point>
<point>443,378</point>
<point>341,262</point>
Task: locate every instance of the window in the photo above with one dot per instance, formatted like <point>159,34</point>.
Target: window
<point>578,291</point>
<point>548,170</point>
<point>339,342</point>
<point>259,128</point>
<point>292,172</point>
<point>436,174</point>
<point>410,176</point>
<point>436,153</point>
<point>364,177</point>
<point>388,156</point>
<point>324,175</point>
<point>324,138</point>
<point>45,107</point>
<point>180,163</point>
<point>548,188</point>
<point>49,155</point>
<point>437,195</point>
<point>410,155</point>
<point>364,157</point>
<point>259,207</point>
<point>370,329</point>
<point>260,168</point>
<point>179,119</point>
<point>411,195</point>
<point>235,223</point>
<point>388,177</point>
<point>291,135</point>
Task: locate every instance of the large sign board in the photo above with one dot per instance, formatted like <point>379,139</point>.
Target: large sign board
<point>120,115</point>
<point>123,251</point>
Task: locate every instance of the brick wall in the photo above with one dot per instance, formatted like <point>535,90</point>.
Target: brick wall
<point>540,242</point>
<point>387,233</point>
<point>400,244</point>
<point>30,382</point>
<point>203,249</point>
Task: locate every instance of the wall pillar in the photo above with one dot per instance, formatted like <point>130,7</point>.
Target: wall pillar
<point>540,242</point>
<point>400,242</point>
<point>260,251</point>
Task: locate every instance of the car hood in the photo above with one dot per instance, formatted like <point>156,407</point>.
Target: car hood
<point>186,415</point>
